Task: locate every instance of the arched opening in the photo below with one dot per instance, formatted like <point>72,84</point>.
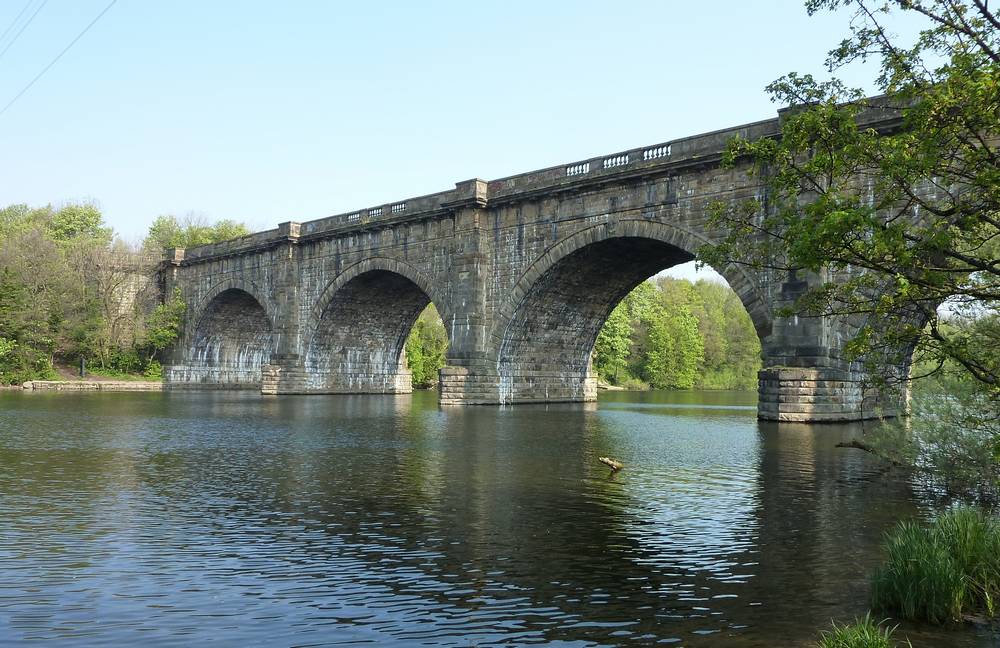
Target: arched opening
<point>232,340</point>
<point>547,347</point>
<point>359,338</point>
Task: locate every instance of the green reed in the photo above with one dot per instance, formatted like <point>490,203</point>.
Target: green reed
<point>942,572</point>
<point>863,633</point>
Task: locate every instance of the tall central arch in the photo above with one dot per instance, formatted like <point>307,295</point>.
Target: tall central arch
<point>547,329</point>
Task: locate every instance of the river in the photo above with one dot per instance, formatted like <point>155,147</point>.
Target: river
<point>186,518</point>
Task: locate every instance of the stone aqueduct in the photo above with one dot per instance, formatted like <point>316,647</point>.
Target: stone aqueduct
<point>523,270</point>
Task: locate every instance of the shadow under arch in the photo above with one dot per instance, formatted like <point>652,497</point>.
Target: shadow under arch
<point>545,331</point>
<point>249,287</point>
<point>231,339</point>
<point>356,333</point>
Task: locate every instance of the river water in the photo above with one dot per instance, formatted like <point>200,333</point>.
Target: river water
<point>190,518</point>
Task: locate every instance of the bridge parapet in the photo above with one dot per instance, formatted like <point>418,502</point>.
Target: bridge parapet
<point>664,157</point>
<point>678,153</point>
<point>233,246</point>
<point>476,192</point>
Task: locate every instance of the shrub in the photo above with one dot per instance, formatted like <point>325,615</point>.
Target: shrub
<point>154,370</point>
<point>863,633</point>
<point>939,572</point>
<point>20,363</point>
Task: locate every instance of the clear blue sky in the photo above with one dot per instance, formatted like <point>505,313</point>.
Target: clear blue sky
<point>266,111</point>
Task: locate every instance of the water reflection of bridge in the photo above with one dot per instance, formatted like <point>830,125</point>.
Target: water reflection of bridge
<point>501,524</point>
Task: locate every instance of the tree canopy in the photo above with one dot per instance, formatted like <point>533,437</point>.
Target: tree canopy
<point>675,334</point>
<point>901,228</point>
<point>189,231</point>
<point>902,222</point>
<point>70,289</point>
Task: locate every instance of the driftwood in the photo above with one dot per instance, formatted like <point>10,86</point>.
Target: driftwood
<point>861,445</point>
<point>608,461</point>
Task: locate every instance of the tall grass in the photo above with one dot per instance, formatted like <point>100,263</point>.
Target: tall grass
<point>941,572</point>
<point>863,633</point>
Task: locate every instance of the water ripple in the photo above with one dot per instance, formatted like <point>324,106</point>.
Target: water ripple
<point>172,519</point>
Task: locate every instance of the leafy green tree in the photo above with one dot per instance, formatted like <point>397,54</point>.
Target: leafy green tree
<point>613,344</point>
<point>78,221</point>
<point>426,347</point>
<point>900,229</point>
<point>69,289</point>
<point>163,325</point>
<point>674,349</point>
<point>190,231</point>
<point>900,222</point>
<point>16,218</point>
<point>615,349</point>
<point>731,346</point>
<point>673,334</point>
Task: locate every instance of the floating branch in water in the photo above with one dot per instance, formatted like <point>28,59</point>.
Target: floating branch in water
<point>608,461</point>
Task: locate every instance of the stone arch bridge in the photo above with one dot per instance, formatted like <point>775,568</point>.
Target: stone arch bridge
<point>523,270</point>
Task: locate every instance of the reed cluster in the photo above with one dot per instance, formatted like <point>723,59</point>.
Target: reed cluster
<point>863,633</point>
<point>942,572</point>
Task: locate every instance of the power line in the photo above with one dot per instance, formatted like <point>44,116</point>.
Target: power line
<point>23,27</point>
<point>59,56</point>
<point>14,22</point>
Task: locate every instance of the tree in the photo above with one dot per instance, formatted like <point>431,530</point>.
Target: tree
<point>426,347</point>
<point>673,334</point>
<point>613,344</point>
<point>190,231</point>
<point>70,289</point>
<point>904,225</point>
<point>903,221</point>
<point>78,221</point>
<point>163,325</point>
<point>674,350</point>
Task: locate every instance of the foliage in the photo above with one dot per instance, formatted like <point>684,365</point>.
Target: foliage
<point>614,341</point>
<point>73,222</point>
<point>952,439</point>
<point>674,334</point>
<point>426,347</point>
<point>154,370</point>
<point>121,375</point>
<point>956,434</point>
<point>897,230</point>
<point>190,231</point>
<point>163,325</point>
<point>69,289</point>
<point>863,633</point>
<point>941,572</point>
<point>673,348</point>
<point>903,221</point>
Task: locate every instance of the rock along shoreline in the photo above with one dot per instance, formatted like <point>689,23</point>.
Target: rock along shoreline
<point>85,385</point>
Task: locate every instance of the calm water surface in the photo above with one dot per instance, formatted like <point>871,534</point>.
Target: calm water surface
<point>189,518</point>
